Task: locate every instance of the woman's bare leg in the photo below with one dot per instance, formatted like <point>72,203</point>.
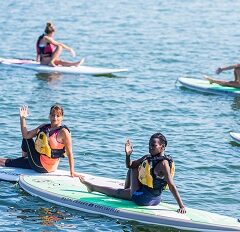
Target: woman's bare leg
<point>135,184</point>
<point>118,193</point>
<point>223,83</point>
<point>211,81</point>
<point>237,74</point>
<point>125,193</point>
<point>69,64</point>
<point>55,56</point>
<point>2,162</point>
<point>56,61</point>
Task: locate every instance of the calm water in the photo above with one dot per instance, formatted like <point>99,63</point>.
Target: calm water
<point>158,41</point>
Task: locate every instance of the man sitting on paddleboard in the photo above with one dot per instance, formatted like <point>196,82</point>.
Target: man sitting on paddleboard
<point>147,177</point>
<point>49,50</point>
<point>52,143</point>
<point>236,71</point>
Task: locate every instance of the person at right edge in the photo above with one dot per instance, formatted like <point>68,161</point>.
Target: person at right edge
<point>147,177</point>
<point>234,83</point>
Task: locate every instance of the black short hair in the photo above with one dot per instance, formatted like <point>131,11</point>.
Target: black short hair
<point>159,136</point>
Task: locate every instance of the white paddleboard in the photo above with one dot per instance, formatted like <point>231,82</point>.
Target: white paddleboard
<point>235,136</point>
<point>69,192</point>
<point>206,87</point>
<point>13,174</point>
<point>36,66</point>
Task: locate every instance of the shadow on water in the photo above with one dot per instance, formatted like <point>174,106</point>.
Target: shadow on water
<point>49,77</point>
<point>56,76</point>
<point>109,75</point>
<point>234,144</point>
<point>236,103</point>
<point>186,89</point>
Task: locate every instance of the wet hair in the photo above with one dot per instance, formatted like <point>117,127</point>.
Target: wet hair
<point>159,136</point>
<point>49,28</point>
<point>56,108</point>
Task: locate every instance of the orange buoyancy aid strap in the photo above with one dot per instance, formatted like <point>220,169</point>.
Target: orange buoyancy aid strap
<point>49,164</point>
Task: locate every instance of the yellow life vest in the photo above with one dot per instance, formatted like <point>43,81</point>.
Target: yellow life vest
<point>42,144</point>
<point>144,175</point>
<point>145,170</point>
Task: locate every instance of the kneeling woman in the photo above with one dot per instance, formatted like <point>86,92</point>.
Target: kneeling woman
<point>147,177</point>
<point>49,50</point>
<point>52,143</point>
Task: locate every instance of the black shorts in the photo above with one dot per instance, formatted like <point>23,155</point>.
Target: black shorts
<point>32,161</point>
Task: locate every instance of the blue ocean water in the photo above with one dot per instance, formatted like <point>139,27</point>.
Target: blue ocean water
<point>158,41</point>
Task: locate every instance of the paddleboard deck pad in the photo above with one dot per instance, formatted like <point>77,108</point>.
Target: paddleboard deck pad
<point>69,192</point>
<point>36,66</point>
<point>206,87</point>
<point>235,136</point>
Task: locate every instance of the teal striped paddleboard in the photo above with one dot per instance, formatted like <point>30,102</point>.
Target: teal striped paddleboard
<point>204,86</point>
<point>69,192</point>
